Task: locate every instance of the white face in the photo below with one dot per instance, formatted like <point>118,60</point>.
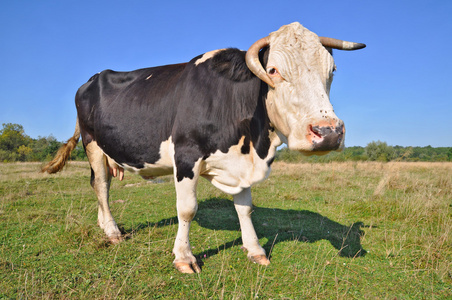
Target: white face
<point>302,71</point>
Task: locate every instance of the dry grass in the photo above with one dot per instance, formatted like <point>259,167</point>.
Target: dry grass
<point>32,170</point>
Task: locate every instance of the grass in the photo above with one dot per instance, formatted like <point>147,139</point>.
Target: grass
<point>334,231</point>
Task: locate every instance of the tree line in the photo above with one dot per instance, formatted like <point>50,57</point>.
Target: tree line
<point>15,145</point>
<point>374,151</point>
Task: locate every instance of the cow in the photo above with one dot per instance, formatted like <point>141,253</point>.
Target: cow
<point>221,116</point>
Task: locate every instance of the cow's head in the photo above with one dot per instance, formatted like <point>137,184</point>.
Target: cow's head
<point>299,72</point>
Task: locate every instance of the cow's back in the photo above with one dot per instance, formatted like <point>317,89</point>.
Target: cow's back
<point>129,114</point>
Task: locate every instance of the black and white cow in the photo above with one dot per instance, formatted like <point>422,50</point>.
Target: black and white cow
<point>219,116</point>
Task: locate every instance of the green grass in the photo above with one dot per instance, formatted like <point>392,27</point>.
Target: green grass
<point>333,231</point>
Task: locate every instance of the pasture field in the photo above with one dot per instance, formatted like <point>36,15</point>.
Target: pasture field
<point>333,231</point>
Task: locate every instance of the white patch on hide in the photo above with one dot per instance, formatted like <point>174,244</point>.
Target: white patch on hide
<point>233,171</point>
<point>164,166</point>
<point>206,56</point>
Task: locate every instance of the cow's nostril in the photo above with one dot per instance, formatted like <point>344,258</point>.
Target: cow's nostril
<point>321,131</point>
<point>315,130</point>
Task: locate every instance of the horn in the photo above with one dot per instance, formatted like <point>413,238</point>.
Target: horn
<point>253,63</point>
<point>340,44</point>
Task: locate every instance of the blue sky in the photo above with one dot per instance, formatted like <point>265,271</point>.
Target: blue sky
<point>396,90</point>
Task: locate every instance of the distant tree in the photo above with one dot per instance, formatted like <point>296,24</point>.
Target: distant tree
<point>287,155</point>
<point>356,153</point>
<point>79,152</point>
<point>52,148</point>
<point>402,153</point>
<point>39,145</point>
<point>44,148</point>
<point>380,151</point>
<point>24,153</point>
<point>13,138</point>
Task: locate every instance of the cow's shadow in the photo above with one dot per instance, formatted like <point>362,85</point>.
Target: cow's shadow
<point>276,225</point>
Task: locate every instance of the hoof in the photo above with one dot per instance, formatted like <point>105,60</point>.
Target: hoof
<point>260,259</point>
<point>115,240</point>
<point>187,268</point>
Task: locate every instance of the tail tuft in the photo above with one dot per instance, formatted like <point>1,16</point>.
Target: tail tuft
<point>63,154</point>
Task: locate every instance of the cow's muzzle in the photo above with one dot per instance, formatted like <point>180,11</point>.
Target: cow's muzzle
<point>327,137</point>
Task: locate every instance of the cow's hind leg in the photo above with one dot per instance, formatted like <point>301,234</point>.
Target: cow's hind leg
<point>100,181</point>
<point>243,206</point>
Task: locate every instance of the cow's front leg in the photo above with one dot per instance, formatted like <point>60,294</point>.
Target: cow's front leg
<point>187,206</point>
<point>243,205</point>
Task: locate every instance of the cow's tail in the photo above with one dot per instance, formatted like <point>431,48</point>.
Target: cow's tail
<point>63,153</point>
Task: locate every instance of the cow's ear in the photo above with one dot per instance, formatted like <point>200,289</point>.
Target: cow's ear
<point>330,50</point>
<point>230,63</point>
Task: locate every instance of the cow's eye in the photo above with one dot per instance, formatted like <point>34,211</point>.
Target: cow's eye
<point>272,71</point>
